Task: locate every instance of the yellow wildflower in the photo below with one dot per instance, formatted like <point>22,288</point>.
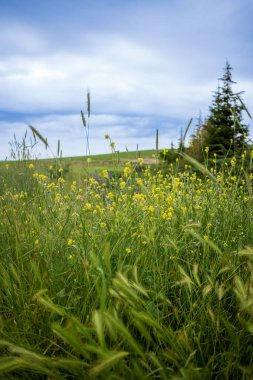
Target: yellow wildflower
<point>70,242</point>
<point>122,184</point>
<point>105,174</point>
<point>127,171</point>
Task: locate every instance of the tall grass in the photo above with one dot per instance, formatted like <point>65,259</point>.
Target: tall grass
<point>149,275</point>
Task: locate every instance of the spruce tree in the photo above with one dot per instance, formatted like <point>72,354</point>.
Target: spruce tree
<point>196,145</point>
<point>224,130</point>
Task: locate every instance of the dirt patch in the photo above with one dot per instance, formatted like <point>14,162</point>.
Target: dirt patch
<point>147,161</point>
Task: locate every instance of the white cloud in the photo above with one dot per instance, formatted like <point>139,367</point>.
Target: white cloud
<point>138,81</point>
<point>146,66</point>
<point>22,38</point>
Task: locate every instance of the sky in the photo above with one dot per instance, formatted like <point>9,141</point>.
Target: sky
<point>147,65</point>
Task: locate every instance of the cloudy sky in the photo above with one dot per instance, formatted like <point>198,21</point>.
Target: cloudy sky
<point>148,64</point>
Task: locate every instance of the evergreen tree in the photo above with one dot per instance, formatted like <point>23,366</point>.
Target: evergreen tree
<point>224,130</point>
<point>196,143</point>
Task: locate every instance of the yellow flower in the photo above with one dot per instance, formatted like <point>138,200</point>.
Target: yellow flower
<point>36,242</point>
<point>233,161</point>
<point>127,171</point>
<point>73,186</point>
<point>31,166</point>
<point>92,181</point>
<point>70,242</point>
<point>87,206</point>
<point>128,250</point>
<point>42,177</point>
<point>102,225</point>
<point>138,197</point>
<point>61,180</point>
<point>51,185</point>
<point>184,209</point>
<point>122,184</point>
<point>105,174</point>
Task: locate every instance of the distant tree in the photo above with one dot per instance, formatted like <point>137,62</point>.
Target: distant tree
<point>196,143</point>
<point>181,146</point>
<point>224,131</point>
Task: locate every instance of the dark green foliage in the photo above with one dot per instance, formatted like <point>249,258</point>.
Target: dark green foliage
<point>168,155</point>
<point>223,131</point>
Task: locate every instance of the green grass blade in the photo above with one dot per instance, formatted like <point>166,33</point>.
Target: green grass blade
<point>186,131</point>
<point>9,364</point>
<point>244,107</point>
<point>123,331</point>
<point>198,166</point>
<point>111,359</point>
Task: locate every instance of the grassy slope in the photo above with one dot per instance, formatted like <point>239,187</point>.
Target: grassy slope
<point>123,156</point>
<point>77,168</point>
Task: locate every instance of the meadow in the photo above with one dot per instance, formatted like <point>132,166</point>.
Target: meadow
<point>125,270</point>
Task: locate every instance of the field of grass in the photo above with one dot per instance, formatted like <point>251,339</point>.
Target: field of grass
<point>122,156</point>
<point>76,168</point>
<point>146,275</point>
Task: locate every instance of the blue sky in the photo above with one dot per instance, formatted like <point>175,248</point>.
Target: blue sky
<point>148,64</point>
